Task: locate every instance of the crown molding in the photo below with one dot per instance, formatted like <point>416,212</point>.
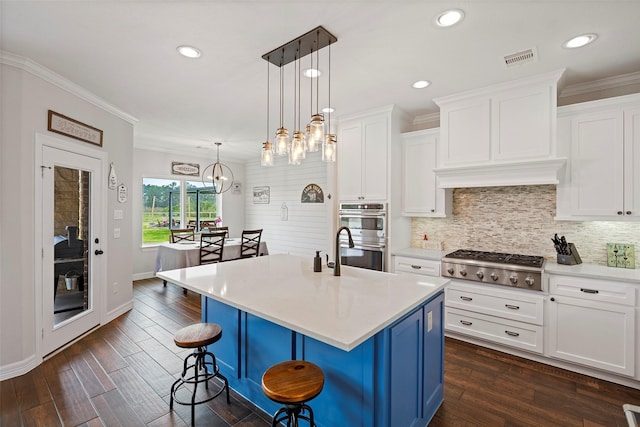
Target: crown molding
<point>63,83</point>
<point>602,84</point>
<point>427,119</point>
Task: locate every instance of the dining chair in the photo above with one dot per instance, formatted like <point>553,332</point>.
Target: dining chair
<point>211,247</point>
<point>182,234</point>
<point>250,244</point>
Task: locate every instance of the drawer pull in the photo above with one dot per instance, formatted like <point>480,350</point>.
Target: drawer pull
<point>512,334</point>
<point>512,307</point>
<point>466,323</point>
<point>416,267</point>
<point>466,298</point>
<point>589,291</point>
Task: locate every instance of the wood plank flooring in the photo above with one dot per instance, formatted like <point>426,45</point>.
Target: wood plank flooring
<point>121,374</point>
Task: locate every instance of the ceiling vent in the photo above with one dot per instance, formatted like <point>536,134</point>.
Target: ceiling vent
<point>519,58</point>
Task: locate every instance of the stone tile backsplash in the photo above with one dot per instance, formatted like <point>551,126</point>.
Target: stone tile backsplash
<point>520,219</point>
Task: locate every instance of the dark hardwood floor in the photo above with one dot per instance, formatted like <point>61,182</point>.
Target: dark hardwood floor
<point>121,374</point>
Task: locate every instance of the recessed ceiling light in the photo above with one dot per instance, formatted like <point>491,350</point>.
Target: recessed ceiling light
<point>579,41</point>
<point>189,51</point>
<point>328,110</point>
<point>312,73</point>
<point>421,84</point>
<point>449,18</point>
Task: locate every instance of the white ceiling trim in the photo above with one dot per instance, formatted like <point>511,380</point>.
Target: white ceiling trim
<point>602,84</point>
<point>46,74</point>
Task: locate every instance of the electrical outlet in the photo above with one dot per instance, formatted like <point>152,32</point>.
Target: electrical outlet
<point>116,233</point>
<point>429,321</point>
<point>118,214</point>
<point>115,287</point>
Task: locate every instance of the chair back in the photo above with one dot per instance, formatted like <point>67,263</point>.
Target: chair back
<point>211,247</point>
<point>182,234</point>
<point>250,244</point>
<point>225,229</point>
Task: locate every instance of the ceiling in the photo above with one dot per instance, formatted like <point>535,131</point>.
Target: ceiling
<point>125,53</point>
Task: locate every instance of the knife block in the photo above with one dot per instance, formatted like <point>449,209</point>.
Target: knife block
<point>572,259</point>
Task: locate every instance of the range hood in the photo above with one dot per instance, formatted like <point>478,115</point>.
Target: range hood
<point>529,172</point>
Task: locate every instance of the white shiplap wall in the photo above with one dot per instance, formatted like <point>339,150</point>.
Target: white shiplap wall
<point>308,226</point>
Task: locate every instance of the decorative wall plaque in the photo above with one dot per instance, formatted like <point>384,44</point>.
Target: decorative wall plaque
<point>312,193</point>
<point>74,129</point>
<point>180,168</point>
<point>261,195</point>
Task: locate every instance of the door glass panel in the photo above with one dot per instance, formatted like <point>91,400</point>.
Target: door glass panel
<point>71,221</point>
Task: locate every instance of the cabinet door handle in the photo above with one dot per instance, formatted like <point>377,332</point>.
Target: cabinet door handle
<point>417,267</point>
<point>619,212</point>
<point>628,212</point>
<point>512,307</point>
<point>466,323</point>
<point>466,298</point>
<point>512,334</point>
<point>589,291</point>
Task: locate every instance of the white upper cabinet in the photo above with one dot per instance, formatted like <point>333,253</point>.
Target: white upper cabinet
<point>501,135</point>
<point>420,193</point>
<point>363,158</point>
<point>602,140</point>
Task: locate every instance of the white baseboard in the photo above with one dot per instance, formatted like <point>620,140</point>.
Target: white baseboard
<point>16,369</point>
<point>142,276</point>
<point>118,311</point>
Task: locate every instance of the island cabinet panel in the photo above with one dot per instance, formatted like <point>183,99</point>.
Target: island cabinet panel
<point>392,379</point>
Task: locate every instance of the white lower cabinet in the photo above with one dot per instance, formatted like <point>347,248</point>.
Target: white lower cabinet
<point>506,317</point>
<point>418,266</point>
<point>592,322</point>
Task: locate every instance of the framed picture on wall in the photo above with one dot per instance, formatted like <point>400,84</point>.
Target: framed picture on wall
<point>261,195</point>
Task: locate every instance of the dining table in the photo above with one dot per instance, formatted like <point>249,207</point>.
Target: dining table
<point>184,254</point>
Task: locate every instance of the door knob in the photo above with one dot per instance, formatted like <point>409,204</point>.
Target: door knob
<point>99,252</point>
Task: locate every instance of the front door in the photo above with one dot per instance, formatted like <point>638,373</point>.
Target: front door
<point>72,259</point>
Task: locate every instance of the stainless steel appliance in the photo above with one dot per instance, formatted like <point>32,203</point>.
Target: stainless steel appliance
<point>514,270</point>
<point>368,225</point>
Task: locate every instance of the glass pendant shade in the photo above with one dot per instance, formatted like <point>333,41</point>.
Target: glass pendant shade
<point>317,127</point>
<point>282,141</point>
<point>267,154</point>
<point>312,144</point>
<point>297,148</point>
<point>329,148</point>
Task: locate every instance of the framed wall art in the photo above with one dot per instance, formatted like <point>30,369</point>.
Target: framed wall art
<point>67,126</point>
<point>261,195</point>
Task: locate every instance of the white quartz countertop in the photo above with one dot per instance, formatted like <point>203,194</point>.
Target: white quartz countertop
<point>594,271</point>
<point>340,311</point>
<point>432,254</point>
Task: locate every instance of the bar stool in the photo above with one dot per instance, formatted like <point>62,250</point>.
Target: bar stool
<point>198,337</point>
<point>293,383</point>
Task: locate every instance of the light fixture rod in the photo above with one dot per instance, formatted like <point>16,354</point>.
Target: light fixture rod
<point>306,46</point>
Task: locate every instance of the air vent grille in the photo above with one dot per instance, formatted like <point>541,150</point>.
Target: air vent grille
<point>522,57</point>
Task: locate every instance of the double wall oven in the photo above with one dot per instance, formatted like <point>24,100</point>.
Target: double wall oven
<point>368,225</point>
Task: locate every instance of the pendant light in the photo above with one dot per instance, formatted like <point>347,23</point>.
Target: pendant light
<point>313,136</point>
<point>266,159</point>
<point>282,134</point>
<point>217,177</point>
<point>317,120</point>
<point>330,139</point>
<point>312,143</point>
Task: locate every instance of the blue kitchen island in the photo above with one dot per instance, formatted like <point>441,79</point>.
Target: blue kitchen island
<point>377,336</point>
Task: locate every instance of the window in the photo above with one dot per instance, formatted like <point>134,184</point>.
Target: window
<point>164,209</point>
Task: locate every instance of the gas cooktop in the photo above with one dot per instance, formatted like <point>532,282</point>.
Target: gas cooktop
<point>497,268</point>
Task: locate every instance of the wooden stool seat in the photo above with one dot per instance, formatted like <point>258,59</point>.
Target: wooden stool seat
<point>198,335</point>
<point>199,366</point>
<point>292,383</point>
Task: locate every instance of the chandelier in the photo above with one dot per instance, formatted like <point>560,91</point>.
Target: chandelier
<point>316,132</point>
<point>217,177</point>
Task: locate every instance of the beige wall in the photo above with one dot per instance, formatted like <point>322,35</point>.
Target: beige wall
<point>520,220</point>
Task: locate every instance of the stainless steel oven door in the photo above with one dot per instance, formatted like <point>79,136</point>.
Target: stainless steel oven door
<point>363,255</point>
<point>364,226</point>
